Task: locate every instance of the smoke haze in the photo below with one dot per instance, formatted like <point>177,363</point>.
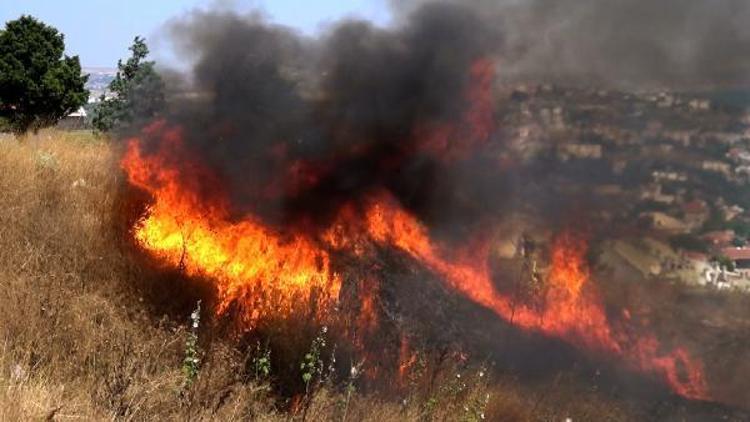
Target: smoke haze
<point>624,43</point>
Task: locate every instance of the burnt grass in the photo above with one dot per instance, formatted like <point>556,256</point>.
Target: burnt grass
<point>445,319</point>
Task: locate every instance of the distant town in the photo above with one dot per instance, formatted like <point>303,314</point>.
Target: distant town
<point>97,84</point>
<point>99,79</point>
<point>672,167</point>
<point>676,166</point>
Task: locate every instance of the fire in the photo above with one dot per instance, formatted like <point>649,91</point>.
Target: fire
<point>367,320</point>
<point>406,359</point>
<point>263,271</point>
<point>451,142</point>
<point>571,308</point>
<point>245,258</point>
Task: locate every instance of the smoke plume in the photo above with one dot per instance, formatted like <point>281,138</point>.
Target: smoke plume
<point>296,126</point>
<point>282,152</point>
<point>625,43</point>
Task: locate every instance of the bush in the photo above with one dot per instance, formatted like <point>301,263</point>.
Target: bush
<point>38,84</point>
<point>688,242</point>
<point>138,93</point>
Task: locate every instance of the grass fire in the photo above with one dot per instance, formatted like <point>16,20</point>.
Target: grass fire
<point>435,218</point>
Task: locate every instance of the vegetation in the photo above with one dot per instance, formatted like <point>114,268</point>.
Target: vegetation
<point>38,84</point>
<point>741,228</point>
<point>724,262</point>
<point>88,332</point>
<point>716,221</point>
<point>191,363</point>
<point>137,92</point>
<point>688,242</point>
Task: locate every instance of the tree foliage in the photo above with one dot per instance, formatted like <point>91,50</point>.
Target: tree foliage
<point>724,262</point>
<point>137,92</point>
<point>39,85</point>
<point>688,242</point>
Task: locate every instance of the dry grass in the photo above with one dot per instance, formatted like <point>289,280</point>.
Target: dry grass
<point>75,342</point>
<point>79,342</point>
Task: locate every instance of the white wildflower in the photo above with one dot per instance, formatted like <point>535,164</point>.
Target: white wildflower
<point>17,373</point>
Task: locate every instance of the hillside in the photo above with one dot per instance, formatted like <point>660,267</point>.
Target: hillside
<point>86,333</point>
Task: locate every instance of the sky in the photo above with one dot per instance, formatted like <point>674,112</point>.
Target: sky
<point>100,31</point>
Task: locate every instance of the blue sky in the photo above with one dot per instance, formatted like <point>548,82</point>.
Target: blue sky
<point>100,31</point>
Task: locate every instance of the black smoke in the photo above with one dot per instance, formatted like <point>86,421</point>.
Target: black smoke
<point>296,126</point>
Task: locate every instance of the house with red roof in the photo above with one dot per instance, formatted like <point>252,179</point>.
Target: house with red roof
<point>696,212</point>
<point>739,255</point>
<point>719,238</point>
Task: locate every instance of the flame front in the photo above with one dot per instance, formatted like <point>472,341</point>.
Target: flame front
<point>245,258</point>
<point>571,310</point>
<point>264,272</point>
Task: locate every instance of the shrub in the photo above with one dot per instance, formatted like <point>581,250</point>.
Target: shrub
<point>38,84</point>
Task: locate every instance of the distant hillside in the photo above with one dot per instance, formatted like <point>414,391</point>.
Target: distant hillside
<point>99,79</point>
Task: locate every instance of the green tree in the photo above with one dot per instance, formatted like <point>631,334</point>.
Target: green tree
<point>137,92</point>
<point>688,242</point>
<point>724,261</point>
<point>39,85</point>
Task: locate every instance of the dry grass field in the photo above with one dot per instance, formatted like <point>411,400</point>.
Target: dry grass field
<point>79,342</point>
<point>76,341</point>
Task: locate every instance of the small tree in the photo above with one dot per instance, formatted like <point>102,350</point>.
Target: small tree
<point>39,85</point>
<point>724,261</point>
<point>138,92</point>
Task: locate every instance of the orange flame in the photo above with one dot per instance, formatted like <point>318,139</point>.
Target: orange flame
<point>449,142</point>
<point>367,321</point>
<point>406,360</point>
<point>245,257</point>
<point>571,311</point>
<point>267,272</point>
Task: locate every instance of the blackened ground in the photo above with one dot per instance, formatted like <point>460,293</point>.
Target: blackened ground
<point>441,319</point>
